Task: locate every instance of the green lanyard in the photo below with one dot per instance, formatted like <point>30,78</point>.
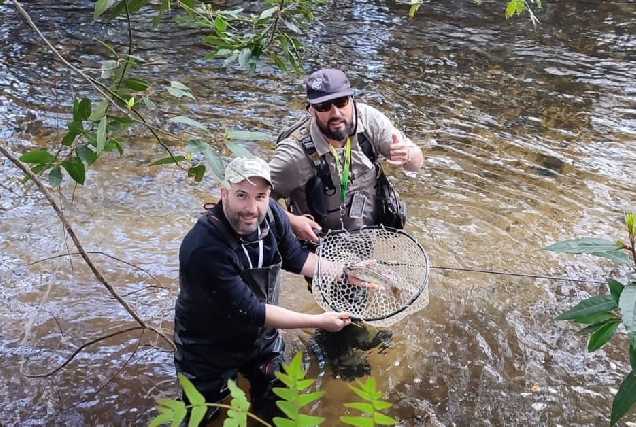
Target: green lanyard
<point>343,172</point>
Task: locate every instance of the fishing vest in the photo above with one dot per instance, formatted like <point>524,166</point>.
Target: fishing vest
<point>300,132</point>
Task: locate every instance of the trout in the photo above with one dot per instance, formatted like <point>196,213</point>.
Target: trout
<point>375,278</point>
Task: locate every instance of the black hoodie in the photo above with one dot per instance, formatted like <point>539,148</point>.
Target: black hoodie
<point>214,303</point>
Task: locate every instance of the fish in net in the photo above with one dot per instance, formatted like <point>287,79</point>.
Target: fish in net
<point>391,261</point>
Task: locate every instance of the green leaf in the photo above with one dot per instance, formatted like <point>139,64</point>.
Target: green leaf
<point>620,257</point>
<point>596,318</point>
<point>84,109</point>
<point>591,328</point>
<point>69,138</point>
<point>176,408</point>
<point>285,393</point>
<point>197,414</point>
<point>231,58</point>
<point>99,111</point>
<point>109,67</point>
<point>239,150</point>
<point>624,399</point>
<point>584,246</point>
<point>179,90</point>
<point>630,223</point>
<point>602,335</point>
<point>358,421</point>
<point>627,305</point>
<point>133,6</point>
<point>220,25</point>
<point>168,160</point>
<point>632,354</point>
<point>162,418</point>
<point>189,122</point>
<point>591,306</point>
<point>87,155</point>
<point>277,61</point>
<point>304,384</point>
<point>101,6</point>
<point>307,398</point>
<point>309,420</point>
<point>367,408</point>
<point>244,135</point>
<point>101,135</point>
<point>211,156</point>
<point>382,419</point>
<point>36,170</point>
<point>75,169</point>
<point>191,392</point>
<point>283,422</point>
<point>149,104</point>
<point>55,176</point>
<point>197,171</point>
<point>244,56</point>
<point>414,8</point>
<point>289,409</point>
<point>136,84</point>
<point>268,12</point>
<point>37,156</point>
<point>75,127</point>
<point>380,405</point>
<point>616,288</point>
<point>292,27</point>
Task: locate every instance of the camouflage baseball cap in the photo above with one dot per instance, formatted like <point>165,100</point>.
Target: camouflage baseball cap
<point>242,168</point>
<point>327,84</point>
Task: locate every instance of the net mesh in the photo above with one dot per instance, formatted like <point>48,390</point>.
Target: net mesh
<point>400,268</point>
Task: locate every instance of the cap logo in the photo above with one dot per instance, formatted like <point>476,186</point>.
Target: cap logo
<point>316,84</point>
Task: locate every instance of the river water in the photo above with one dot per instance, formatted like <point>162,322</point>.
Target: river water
<point>528,136</point>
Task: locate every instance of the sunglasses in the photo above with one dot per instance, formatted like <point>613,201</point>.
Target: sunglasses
<point>326,106</point>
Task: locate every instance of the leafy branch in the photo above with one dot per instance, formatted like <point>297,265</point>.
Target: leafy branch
<point>604,313</point>
<point>295,398</point>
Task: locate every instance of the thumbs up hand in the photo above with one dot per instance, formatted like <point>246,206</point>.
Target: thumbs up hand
<point>400,153</point>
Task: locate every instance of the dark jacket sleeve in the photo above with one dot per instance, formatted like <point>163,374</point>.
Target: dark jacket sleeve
<point>294,256</point>
<point>216,271</point>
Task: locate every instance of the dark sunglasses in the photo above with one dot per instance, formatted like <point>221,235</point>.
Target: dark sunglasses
<point>326,106</point>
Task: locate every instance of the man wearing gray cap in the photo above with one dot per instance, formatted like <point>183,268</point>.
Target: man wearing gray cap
<point>327,169</point>
<point>226,314</point>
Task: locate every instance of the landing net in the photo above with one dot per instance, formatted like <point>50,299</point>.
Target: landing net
<point>399,272</point>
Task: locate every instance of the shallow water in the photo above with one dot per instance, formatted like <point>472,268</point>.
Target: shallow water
<point>528,135</point>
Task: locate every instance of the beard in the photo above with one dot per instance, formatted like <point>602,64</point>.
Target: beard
<point>339,134</point>
<point>238,220</point>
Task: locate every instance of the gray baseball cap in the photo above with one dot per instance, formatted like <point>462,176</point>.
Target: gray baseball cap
<point>327,84</point>
<point>242,168</point>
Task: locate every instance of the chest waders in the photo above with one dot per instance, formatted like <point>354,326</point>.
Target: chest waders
<point>261,356</point>
<point>320,186</point>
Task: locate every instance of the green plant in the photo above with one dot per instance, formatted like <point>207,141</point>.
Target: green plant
<point>604,313</point>
<point>295,397</point>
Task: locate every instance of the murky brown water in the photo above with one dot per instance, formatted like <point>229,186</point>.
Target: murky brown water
<point>529,141</point>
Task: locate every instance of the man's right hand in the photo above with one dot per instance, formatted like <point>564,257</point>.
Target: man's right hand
<point>332,321</point>
<point>304,227</point>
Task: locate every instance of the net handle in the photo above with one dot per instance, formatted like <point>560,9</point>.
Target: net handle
<point>393,230</point>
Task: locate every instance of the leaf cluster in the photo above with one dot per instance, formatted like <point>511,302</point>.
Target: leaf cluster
<point>604,313</point>
<point>295,397</point>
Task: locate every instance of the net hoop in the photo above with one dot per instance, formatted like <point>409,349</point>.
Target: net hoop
<point>397,253</point>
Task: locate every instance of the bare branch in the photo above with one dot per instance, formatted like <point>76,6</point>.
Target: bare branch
<point>79,349</point>
<point>5,150</point>
<point>160,285</point>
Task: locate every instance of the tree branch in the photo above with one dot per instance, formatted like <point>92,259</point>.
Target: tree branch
<point>5,150</point>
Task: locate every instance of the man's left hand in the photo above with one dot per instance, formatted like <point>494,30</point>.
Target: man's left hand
<point>399,152</point>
